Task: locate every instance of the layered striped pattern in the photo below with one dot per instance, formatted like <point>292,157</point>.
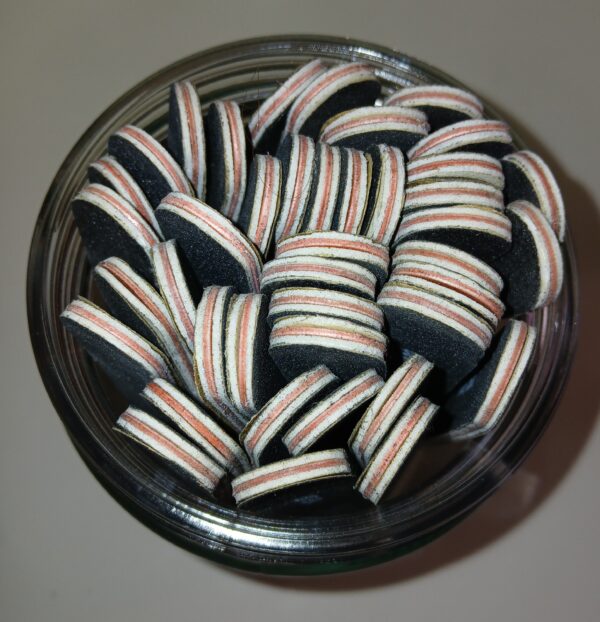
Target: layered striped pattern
<point>170,446</point>
<point>292,472</point>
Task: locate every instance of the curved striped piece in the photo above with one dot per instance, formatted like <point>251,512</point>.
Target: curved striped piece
<point>226,157</point>
<point>265,429</point>
<point>340,88</point>
<point>266,123</point>
<point>149,163</point>
<point>477,408</point>
<point>251,377</point>
<point>322,272</point>
<point>217,250</point>
<point>353,192</point>
<point>448,258</point>
<point>360,250</point>
<point>398,391</point>
<point>109,225</point>
<point>364,127</point>
<point>297,156</point>
<point>395,296</point>
<point>460,290</point>
<point>314,301</point>
<point>455,192</point>
<point>125,356</point>
<point>480,231</point>
<point>325,183</point>
<point>485,302</point>
<point>529,177</point>
<point>209,359</point>
<point>386,194</point>
<point>197,425</point>
<point>533,269</point>
<point>186,134</point>
<point>299,343</point>
<point>337,408</point>
<point>108,172</point>
<point>174,289</point>
<point>456,165</point>
<point>170,446</point>
<point>393,452</point>
<point>286,474</point>
<point>443,105</point>
<point>481,135</point>
<point>261,202</point>
<point>133,300</point>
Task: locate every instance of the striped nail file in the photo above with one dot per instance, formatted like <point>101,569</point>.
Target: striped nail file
<point>353,192</point>
<point>260,209</point>
<point>533,269</point>
<point>262,436</point>
<point>137,304</point>
<point>456,165</point>
<point>209,358</point>
<point>108,172</point>
<point>217,250</point>
<point>299,343</point>
<point>267,123</point>
<point>197,425</point>
<point>443,105</point>
<point>383,412</point>
<point>322,272</point>
<point>361,128</point>
<point>110,226</point>
<point>449,258</point>
<point>186,139</point>
<point>325,183</point>
<point>314,301</point>
<point>174,287</point>
<point>171,447</point>
<point>452,192</point>
<point>386,194</point>
<point>480,231</point>
<point>291,473</point>
<point>130,360</point>
<point>451,336</point>
<point>357,249</point>
<point>226,153</point>
<point>327,418</point>
<point>528,177</point>
<point>345,86</point>
<point>451,285</point>
<point>297,156</point>
<point>149,163</point>
<point>478,405</point>
<point>394,450</point>
<point>252,379</point>
<point>481,135</point>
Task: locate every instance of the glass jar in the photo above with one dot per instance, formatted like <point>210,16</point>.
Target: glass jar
<point>443,482</point>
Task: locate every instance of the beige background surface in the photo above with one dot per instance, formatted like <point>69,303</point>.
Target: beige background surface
<point>68,552</point>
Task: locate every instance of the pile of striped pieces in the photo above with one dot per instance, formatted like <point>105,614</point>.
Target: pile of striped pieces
<point>287,293</point>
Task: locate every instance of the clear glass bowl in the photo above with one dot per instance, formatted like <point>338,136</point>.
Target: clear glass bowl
<point>441,484</point>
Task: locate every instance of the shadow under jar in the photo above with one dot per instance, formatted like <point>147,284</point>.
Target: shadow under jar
<point>439,486</point>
